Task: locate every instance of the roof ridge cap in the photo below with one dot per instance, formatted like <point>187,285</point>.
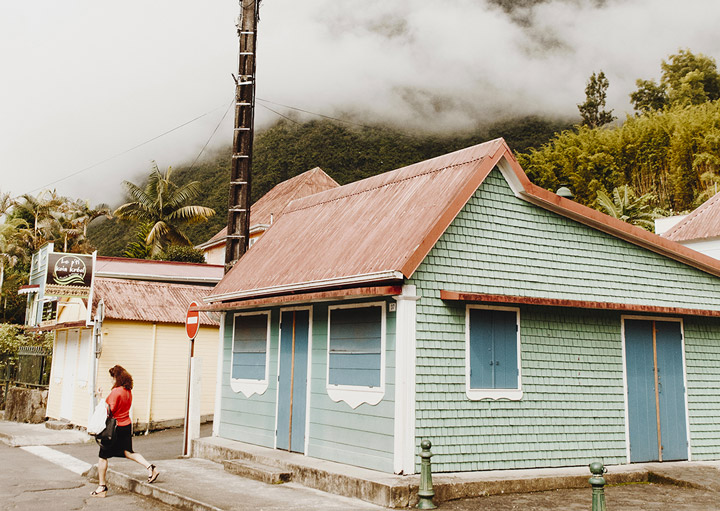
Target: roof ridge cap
<point>393,182</point>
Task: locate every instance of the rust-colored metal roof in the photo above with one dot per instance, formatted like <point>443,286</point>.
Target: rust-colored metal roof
<point>379,230</point>
<point>155,302</point>
<point>271,205</point>
<point>171,271</point>
<point>702,223</point>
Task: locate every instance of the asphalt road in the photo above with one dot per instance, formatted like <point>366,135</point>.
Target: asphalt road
<point>30,483</point>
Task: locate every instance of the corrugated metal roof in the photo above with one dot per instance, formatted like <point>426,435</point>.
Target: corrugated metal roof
<point>381,228</point>
<point>702,223</point>
<point>375,226</point>
<point>155,302</point>
<point>274,202</point>
<point>126,268</point>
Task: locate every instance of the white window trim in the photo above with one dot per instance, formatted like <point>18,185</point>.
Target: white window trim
<point>250,387</point>
<point>355,395</point>
<point>495,394</point>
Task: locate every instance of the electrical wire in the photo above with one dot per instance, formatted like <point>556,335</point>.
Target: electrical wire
<point>281,115</point>
<point>311,113</point>
<point>48,185</point>
<point>212,135</point>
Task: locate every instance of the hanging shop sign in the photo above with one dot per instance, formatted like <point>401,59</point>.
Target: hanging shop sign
<point>69,275</point>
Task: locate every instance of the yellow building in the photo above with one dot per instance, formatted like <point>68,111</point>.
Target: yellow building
<point>145,303</point>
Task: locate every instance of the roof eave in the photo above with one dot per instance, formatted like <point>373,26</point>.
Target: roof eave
<point>383,276</point>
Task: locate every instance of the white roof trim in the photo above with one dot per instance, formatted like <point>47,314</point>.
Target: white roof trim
<point>307,286</point>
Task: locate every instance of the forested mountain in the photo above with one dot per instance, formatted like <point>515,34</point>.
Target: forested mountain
<point>673,154</point>
<point>347,153</point>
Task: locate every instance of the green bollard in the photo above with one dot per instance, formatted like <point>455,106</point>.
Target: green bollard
<point>597,481</point>
<point>425,492</point>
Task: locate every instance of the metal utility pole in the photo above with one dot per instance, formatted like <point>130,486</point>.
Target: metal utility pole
<point>238,226</point>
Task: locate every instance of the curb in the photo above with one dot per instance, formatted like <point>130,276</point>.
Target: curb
<point>120,480</point>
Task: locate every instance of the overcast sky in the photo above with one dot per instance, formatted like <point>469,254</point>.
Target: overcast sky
<point>86,80</point>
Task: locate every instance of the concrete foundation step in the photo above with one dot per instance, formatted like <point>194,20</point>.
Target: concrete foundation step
<point>58,424</point>
<point>257,471</point>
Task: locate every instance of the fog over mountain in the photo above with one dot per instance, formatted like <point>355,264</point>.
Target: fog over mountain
<point>84,81</point>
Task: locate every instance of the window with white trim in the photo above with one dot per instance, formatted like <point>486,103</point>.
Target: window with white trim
<point>250,346</point>
<point>356,353</point>
<point>493,353</point>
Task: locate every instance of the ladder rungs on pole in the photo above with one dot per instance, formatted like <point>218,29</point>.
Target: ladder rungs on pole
<point>243,129</point>
<point>245,83</point>
<point>246,53</point>
<point>239,156</point>
<point>238,182</point>
<point>235,236</point>
<point>237,210</point>
<point>247,32</point>
<point>243,104</point>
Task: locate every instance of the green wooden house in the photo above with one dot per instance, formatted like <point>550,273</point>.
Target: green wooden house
<point>455,301</point>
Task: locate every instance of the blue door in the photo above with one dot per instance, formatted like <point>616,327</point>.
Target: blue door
<point>292,382</point>
<point>656,390</point>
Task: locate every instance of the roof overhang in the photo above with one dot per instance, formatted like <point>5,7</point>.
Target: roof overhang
<point>185,279</point>
<point>26,290</point>
<point>578,304</point>
<point>354,280</point>
<point>58,326</point>
<point>296,299</point>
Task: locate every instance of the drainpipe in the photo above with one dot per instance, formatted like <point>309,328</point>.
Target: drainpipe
<point>152,377</point>
<point>96,351</point>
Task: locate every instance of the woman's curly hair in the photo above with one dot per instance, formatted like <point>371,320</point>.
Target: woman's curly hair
<point>122,377</point>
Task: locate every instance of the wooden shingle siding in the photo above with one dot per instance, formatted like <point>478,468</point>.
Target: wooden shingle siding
<point>572,409</point>
<point>363,436</point>
<point>500,244</point>
<point>702,356</point>
<point>252,419</point>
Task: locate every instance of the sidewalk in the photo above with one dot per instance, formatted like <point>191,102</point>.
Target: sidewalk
<point>205,485</point>
<point>19,434</point>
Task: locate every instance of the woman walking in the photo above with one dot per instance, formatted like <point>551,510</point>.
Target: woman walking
<point>119,402</point>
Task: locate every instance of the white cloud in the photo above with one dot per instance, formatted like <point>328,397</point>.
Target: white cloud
<point>87,79</point>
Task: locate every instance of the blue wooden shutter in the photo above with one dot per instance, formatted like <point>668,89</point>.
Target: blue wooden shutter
<point>355,346</point>
<point>249,347</point>
<point>493,349</point>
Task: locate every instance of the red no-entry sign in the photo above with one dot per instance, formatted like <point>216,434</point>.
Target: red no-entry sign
<point>192,321</point>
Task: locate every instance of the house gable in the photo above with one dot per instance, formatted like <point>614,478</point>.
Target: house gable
<point>572,358</point>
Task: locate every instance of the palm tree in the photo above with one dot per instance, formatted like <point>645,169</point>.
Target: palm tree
<point>10,252</point>
<point>625,205</point>
<point>164,205</point>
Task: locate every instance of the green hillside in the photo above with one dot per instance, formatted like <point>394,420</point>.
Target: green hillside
<point>347,153</point>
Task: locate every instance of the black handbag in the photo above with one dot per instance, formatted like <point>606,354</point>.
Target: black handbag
<point>106,437</point>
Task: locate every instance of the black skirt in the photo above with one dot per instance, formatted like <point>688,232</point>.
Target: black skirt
<point>121,443</point>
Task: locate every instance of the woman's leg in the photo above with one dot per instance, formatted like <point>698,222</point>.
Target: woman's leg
<point>101,490</point>
<point>102,470</point>
<point>139,458</point>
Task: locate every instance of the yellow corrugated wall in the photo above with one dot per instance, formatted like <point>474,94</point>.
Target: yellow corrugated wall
<point>130,344</point>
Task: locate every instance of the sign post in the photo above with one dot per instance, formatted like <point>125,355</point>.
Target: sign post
<point>192,410</point>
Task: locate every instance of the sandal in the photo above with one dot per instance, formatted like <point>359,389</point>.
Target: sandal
<point>154,473</point>
<point>100,491</point>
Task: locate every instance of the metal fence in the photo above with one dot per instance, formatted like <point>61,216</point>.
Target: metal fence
<point>31,368</point>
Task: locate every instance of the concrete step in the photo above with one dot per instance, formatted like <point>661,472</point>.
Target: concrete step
<point>257,471</point>
<point>58,424</point>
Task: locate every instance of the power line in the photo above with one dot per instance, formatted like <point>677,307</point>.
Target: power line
<point>212,134</point>
<point>309,112</point>
<point>48,185</point>
<point>279,114</point>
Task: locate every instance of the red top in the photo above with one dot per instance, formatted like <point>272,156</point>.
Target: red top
<point>119,402</point>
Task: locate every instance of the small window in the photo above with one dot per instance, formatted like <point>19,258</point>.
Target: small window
<point>356,353</point>
<point>493,353</point>
<point>249,367</point>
